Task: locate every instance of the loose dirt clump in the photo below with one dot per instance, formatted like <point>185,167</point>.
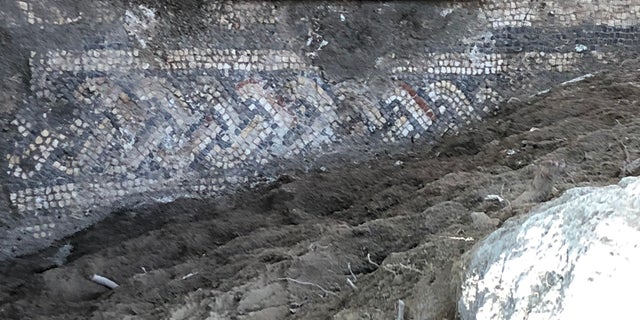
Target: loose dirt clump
<point>344,243</point>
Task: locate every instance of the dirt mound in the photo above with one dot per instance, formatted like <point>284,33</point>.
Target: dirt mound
<point>344,243</point>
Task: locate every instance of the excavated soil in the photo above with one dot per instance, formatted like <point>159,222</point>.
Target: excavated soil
<point>344,243</point>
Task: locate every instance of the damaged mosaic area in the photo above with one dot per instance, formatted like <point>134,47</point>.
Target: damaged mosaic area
<point>113,125</point>
<point>219,112</point>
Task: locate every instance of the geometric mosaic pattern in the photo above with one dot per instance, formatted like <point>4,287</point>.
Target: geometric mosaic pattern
<point>110,124</point>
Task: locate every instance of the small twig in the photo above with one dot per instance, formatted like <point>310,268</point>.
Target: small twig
<point>400,310</point>
<point>389,270</point>
<point>304,283</point>
<point>378,266</point>
<point>351,284</point>
<point>191,274</point>
<point>502,196</point>
<point>104,281</point>
<point>371,261</point>
<point>410,268</point>
<point>401,266</point>
<point>493,197</point>
<point>467,239</point>
<point>509,204</point>
<point>355,279</point>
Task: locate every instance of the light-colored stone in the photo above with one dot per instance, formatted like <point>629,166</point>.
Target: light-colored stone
<point>482,221</point>
<point>575,257</point>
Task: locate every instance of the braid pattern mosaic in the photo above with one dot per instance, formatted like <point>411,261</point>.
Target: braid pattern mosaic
<point>117,103</point>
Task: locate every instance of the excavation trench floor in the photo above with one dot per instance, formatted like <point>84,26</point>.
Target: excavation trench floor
<point>343,243</point>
